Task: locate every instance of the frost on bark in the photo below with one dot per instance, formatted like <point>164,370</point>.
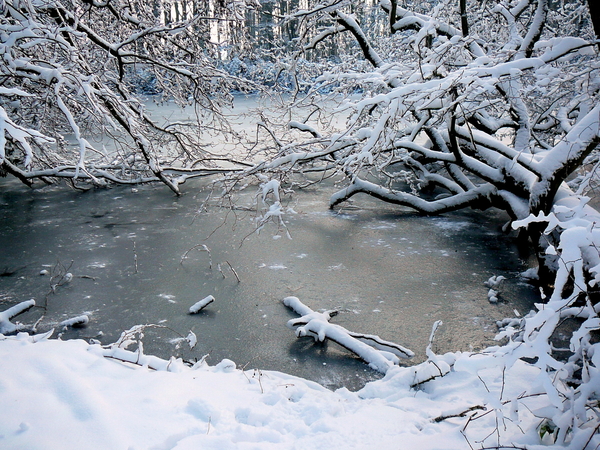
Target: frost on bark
<point>74,72</point>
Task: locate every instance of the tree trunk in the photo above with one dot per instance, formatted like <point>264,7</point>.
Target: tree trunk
<point>463,17</point>
<point>594,6</point>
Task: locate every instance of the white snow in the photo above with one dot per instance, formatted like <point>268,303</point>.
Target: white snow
<point>69,394</point>
<point>495,280</point>
<point>493,296</point>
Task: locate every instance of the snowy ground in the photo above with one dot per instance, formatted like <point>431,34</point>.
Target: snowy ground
<point>70,394</point>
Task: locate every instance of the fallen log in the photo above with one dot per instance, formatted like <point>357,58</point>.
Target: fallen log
<point>378,353</point>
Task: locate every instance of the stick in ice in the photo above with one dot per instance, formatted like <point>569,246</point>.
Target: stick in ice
<point>78,321</point>
<point>201,304</point>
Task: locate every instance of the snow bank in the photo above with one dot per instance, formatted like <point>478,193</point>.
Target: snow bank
<point>67,394</point>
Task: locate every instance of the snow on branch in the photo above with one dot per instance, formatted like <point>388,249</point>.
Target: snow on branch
<point>72,76</point>
<point>452,203</point>
<point>134,336</point>
<point>6,326</point>
<point>304,127</point>
<point>378,353</point>
<point>452,109</point>
<point>574,394</point>
<point>78,321</point>
<point>139,358</point>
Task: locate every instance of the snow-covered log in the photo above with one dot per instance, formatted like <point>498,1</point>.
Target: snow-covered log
<point>198,306</point>
<point>78,321</point>
<point>378,353</point>
<point>6,326</point>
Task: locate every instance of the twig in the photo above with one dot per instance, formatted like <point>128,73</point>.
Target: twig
<point>135,259</point>
<point>234,272</point>
<point>34,327</point>
<point>197,246</point>
<point>60,272</point>
<point>591,436</point>
<point>88,277</point>
<point>504,447</point>
<point>460,414</point>
<point>262,391</point>
<point>466,439</point>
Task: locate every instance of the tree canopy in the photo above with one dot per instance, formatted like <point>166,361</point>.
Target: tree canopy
<point>450,105</point>
<point>75,70</point>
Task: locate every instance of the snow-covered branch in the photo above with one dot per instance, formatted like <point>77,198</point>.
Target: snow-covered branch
<point>574,394</point>
<point>480,195</point>
<point>440,120</point>
<point>6,326</point>
<point>78,69</point>
<point>378,353</point>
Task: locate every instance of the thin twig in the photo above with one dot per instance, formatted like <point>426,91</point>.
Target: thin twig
<point>135,259</point>
<point>460,414</point>
<point>234,272</point>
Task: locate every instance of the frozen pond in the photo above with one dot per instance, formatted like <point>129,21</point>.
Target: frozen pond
<point>390,272</point>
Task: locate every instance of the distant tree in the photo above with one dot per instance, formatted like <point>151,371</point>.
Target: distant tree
<point>73,70</point>
<point>594,7</point>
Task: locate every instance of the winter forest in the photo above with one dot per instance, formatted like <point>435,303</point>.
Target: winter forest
<point>173,153</point>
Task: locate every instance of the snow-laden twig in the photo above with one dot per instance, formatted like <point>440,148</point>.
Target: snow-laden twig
<point>572,385</point>
<point>378,353</point>
<point>200,247</point>
<point>235,274</point>
<point>435,366</point>
<point>191,340</point>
